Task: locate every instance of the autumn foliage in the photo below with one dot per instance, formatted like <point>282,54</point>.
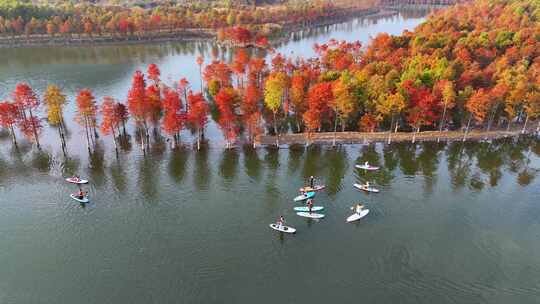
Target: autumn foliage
<point>473,65</point>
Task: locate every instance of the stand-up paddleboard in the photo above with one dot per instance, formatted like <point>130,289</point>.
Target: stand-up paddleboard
<point>78,181</point>
<point>83,200</point>
<point>314,189</point>
<point>368,167</point>
<point>357,216</point>
<point>285,229</point>
<point>367,189</point>
<point>304,196</point>
<point>310,215</point>
<point>306,209</point>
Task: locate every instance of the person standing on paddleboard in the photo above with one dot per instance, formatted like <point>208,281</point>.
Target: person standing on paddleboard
<point>280,222</point>
<point>311,181</point>
<point>358,208</point>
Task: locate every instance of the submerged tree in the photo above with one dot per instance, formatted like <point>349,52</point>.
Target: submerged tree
<point>27,101</point>
<point>55,100</point>
<point>86,115</point>
<point>9,117</point>
<point>138,106</point>
<point>110,119</point>
<point>172,118</point>
<point>198,114</point>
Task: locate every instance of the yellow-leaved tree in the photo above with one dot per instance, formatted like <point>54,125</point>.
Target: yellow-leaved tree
<point>275,90</point>
<point>55,101</point>
<point>390,105</point>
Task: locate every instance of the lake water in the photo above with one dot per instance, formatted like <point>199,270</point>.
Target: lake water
<point>454,223</point>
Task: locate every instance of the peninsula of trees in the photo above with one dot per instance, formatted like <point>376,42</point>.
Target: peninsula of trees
<point>23,22</point>
<point>471,65</point>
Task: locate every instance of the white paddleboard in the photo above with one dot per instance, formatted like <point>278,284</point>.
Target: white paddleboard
<point>367,189</point>
<point>306,209</point>
<point>285,229</point>
<point>357,216</point>
<point>304,196</point>
<point>83,200</point>
<point>368,167</point>
<point>310,215</point>
<point>76,181</point>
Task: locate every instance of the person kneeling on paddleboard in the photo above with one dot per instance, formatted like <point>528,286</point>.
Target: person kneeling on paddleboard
<point>80,195</point>
<point>310,204</point>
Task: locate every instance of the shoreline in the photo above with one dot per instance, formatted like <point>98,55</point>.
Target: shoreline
<point>181,35</point>
<point>350,138</point>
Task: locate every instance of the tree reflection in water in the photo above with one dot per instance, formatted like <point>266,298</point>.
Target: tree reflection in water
<point>473,165</point>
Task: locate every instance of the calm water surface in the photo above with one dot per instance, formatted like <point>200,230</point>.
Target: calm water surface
<point>454,223</point>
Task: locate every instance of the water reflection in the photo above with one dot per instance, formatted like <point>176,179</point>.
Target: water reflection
<point>472,165</point>
<point>337,164</point>
<point>312,165</point>
<point>228,166</point>
<point>178,163</point>
<point>296,153</point>
<point>149,177</point>
<point>41,161</point>
<point>428,161</point>
<point>252,163</point>
<point>96,166</point>
<point>118,176</point>
<point>202,173</point>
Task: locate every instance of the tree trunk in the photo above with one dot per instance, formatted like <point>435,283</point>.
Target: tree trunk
<point>87,135</point>
<point>62,140</point>
<point>491,117</point>
<point>34,130</point>
<point>276,130</point>
<point>114,140</point>
<point>200,77</point>
<point>525,124</point>
<point>467,128</point>
<point>509,124</point>
<point>124,127</point>
<point>442,123</point>
<point>414,134</point>
<point>198,139</point>
<point>13,137</point>
<point>335,130</point>
<point>390,130</point>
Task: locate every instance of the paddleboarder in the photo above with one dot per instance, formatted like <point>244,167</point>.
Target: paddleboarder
<point>280,222</point>
<point>80,195</point>
<point>358,208</point>
<point>311,181</point>
<point>310,204</point>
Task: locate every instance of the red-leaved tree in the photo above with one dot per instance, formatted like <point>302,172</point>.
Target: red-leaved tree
<point>111,121</point>
<point>86,115</point>
<point>27,101</point>
<point>9,116</point>
<point>198,114</point>
<point>172,118</point>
